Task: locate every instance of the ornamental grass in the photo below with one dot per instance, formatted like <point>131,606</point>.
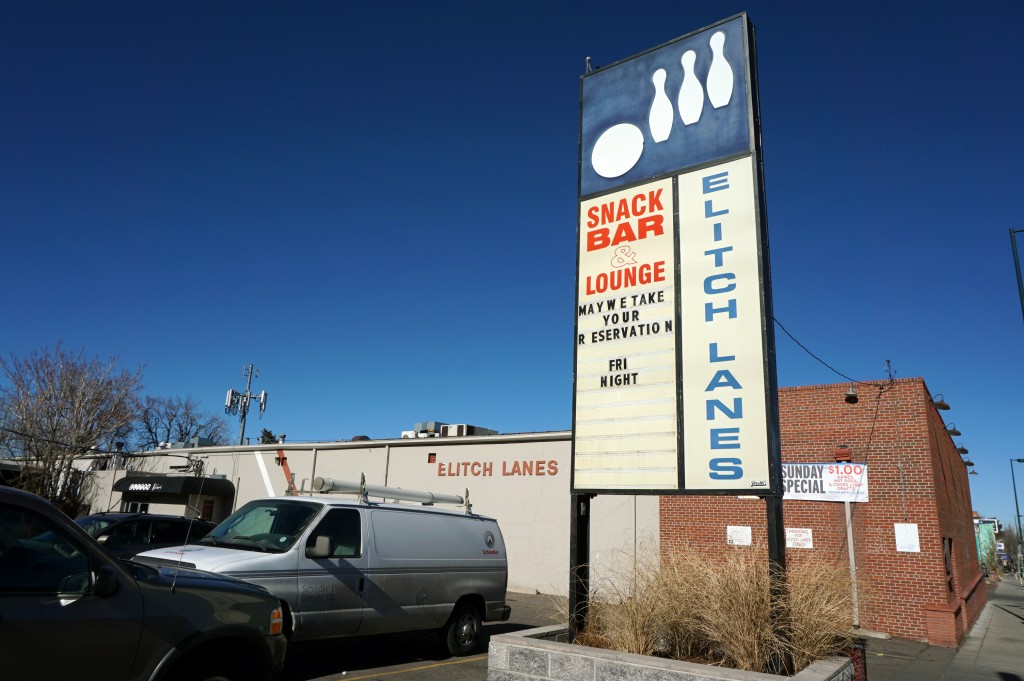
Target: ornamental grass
<point>721,610</point>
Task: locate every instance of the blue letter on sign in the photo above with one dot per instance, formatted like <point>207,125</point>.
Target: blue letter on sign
<point>725,438</point>
<point>725,469</point>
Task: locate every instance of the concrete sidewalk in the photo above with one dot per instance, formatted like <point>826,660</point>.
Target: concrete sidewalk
<point>994,648</point>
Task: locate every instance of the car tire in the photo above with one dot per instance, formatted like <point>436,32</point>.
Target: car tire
<point>216,668</point>
<point>462,633</point>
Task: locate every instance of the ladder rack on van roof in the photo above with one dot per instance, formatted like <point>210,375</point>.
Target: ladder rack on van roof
<point>332,486</point>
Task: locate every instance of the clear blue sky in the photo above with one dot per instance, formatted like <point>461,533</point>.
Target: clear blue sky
<point>375,202</point>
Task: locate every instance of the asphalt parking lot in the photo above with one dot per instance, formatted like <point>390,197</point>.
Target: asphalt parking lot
<point>411,656</point>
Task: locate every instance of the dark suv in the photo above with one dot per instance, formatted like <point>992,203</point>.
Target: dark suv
<point>67,607</point>
<point>126,534</point>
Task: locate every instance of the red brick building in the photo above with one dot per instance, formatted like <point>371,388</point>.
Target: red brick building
<point>915,476</point>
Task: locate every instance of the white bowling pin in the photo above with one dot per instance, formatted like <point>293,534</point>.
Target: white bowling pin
<point>691,94</point>
<point>660,118</point>
<point>719,81</point>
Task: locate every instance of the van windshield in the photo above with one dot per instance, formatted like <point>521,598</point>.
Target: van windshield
<point>269,525</point>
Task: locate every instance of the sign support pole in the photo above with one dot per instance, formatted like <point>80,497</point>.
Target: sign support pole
<point>777,567</point>
<point>853,564</point>
<point>776,534</point>
<point>579,563</point>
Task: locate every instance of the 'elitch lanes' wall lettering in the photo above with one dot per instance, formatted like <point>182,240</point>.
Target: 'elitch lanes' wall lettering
<point>487,469</point>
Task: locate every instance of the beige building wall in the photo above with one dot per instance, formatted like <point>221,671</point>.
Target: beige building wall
<point>522,480</point>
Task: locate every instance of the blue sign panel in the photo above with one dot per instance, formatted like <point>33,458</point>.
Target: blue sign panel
<point>681,104</point>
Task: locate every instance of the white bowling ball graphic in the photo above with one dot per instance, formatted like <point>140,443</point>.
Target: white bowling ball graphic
<point>617,150</point>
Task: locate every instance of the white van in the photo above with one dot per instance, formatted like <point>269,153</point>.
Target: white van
<point>354,567</point>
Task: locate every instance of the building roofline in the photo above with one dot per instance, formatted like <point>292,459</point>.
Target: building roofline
<point>547,436</point>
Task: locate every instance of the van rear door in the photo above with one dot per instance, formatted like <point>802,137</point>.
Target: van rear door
<point>332,586</point>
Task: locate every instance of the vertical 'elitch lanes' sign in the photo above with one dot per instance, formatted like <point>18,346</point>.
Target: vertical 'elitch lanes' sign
<point>674,379</point>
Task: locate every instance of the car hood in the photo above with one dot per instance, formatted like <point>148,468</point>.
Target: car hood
<point>190,578</point>
<point>212,558</point>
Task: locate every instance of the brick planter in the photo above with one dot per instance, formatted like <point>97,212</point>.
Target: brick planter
<point>541,655</point>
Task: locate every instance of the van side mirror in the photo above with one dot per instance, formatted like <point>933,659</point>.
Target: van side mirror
<point>321,548</point>
<point>106,582</point>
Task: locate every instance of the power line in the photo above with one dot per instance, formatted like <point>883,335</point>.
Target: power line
<point>65,445</point>
<point>829,366</point>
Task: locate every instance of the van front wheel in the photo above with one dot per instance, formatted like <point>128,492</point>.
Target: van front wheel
<point>462,633</point>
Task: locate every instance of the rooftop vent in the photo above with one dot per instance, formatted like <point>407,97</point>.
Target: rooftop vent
<point>464,429</point>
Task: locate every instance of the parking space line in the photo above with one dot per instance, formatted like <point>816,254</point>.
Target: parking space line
<point>461,660</point>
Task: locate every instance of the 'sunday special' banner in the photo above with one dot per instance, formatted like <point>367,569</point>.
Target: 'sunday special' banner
<point>825,481</point>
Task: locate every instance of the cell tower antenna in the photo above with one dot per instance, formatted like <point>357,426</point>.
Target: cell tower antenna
<point>238,402</point>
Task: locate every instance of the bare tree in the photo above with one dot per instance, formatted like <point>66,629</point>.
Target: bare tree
<point>58,409</point>
<point>173,419</point>
<point>1010,541</point>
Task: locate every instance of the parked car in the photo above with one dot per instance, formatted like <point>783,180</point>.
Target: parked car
<point>346,567</point>
<point>68,608</point>
<point>126,534</point>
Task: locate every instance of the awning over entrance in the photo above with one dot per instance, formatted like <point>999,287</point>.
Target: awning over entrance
<point>175,485</point>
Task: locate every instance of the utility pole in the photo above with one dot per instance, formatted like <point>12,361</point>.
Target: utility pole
<point>1020,292</point>
<point>1016,265</point>
<point>238,402</point>
<point>1016,507</point>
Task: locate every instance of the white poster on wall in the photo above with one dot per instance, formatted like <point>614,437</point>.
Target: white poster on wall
<point>906,538</point>
<point>799,538</point>
<point>738,536</point>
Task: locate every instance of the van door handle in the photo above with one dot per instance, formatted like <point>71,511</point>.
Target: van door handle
<point>361,579</point>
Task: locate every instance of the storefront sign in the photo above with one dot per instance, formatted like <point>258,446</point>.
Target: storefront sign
<point>488,469</point>
<point>825,481</point>
<point>625,410</point>
<point>673,372</point>
<point>724,378</point>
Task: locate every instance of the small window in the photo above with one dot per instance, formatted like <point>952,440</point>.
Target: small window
<point>947,551</point>
<point>169,532</point>
<point>342,526</point>
<point>39,557</point>
<point>129,533</point>
<point>207,512</point>
<point>197,531</point>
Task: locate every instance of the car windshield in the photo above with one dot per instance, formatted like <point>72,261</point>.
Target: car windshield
<point>95,524</point>
<point>271,525</point>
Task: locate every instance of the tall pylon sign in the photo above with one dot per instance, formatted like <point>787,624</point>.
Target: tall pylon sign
<point>674,385</point>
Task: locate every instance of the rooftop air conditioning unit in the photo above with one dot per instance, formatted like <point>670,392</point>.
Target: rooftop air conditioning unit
<point>464,429</point>
<point>429,428</point>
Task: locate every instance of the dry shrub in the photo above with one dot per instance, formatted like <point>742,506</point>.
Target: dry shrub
<point>820,610</point>
<point>627,609</point>
<point>738,618</point>
<point>721,611</point>
<point>683,591</point>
